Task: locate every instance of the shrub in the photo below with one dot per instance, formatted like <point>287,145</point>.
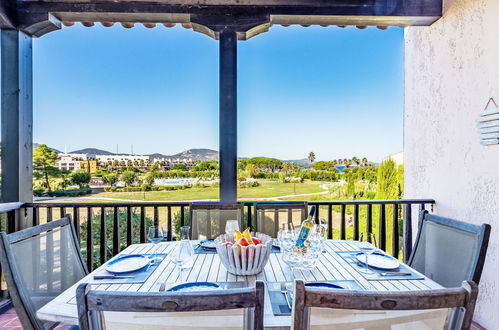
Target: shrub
<point>38,192</point>
<point>110,189</point>
<point>70,192</point>
<point>109,218</point>
<point>249,184</point>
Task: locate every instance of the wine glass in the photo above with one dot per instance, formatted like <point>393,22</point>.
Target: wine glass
<point>155,236</point>
<point>230,227</point>
<point>367,245</point>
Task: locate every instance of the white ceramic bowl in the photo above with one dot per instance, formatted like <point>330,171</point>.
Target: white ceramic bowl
<point>256,256</point>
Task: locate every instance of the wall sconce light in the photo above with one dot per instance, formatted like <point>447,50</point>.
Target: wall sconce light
<point>488,124</point>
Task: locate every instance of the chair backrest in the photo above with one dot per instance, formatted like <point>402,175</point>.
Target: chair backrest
<point>270,216</point>
<point>251,298</point>
<point>415,303</point>
<point>40,263</point>
<point>208,219</point>
<point>449,251</point>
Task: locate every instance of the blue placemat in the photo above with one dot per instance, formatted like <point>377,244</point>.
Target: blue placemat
<point>199,250</point>
<point>139,276</point>
<point>278,299</point>
<point>350,257</point>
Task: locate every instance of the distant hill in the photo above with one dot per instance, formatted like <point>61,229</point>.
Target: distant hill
<point>197,154</point>
<point>303,161</point>
<point>92,151</point>
<point>36,145</point>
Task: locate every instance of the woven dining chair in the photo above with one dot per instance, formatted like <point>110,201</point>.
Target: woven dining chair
<point>344,309</point>
<point>271,216</point>
<point>92,304</point>
<point>39,263</point>
<point>208,219</point>
<point>449,251</point>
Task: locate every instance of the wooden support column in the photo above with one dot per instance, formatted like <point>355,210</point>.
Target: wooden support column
<point>17,116</point>
<point>228,116</point>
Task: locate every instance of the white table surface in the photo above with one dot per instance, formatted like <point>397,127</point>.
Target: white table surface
<point>207,267</point>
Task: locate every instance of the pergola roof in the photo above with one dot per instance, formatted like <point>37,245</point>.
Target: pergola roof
<point>246,17</point>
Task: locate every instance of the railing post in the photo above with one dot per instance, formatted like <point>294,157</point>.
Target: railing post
<point>76,222</point>
<point>330,221</point>
<point>395,232</point>
<point>356,222</point>
<point>407,232</point>
<point>90,241</point>
<point>142,224</point>
<point>116,231</point>
<point>343,221</point>
<point>382,227</point>
<point>103,243</point>
<point>182,216</point>
<point>369,222</point>
<point>169,224</point>
<point>129,227</point>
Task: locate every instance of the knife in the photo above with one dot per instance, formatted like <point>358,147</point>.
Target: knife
<point>395,274</point>
<point>110,277</point>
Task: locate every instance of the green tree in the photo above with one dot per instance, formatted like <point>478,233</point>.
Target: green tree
<point>149,179</point>
<point>44,160</point>
<point>350,191</point>
<point>65,178</point>
<point>311,157</point>
<point>110,178</point>
<point>81,178</point>
<point>400,181</point>
<point>179,167</point>
<point>387,185</point>
<point>129,177</point>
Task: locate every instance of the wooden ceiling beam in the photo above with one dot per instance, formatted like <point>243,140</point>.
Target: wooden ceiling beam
<point>8,14</point>
<point>247,17</point>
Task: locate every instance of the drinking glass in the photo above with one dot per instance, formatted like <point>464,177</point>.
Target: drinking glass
<point>231,226</point>
<point>183,256</point>
<point>367,245</point>
<point>286,236</point>
<point>155,236</point>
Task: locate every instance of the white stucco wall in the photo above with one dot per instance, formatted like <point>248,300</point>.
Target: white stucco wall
<point>451,70</point>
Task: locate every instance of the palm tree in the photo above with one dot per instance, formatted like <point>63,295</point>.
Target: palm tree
<point>311,157</point>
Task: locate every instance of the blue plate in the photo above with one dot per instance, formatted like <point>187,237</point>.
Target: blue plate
<point>208,244</point>
<point>194,286</point>
<point>128,263</point>
<point>324,285</point>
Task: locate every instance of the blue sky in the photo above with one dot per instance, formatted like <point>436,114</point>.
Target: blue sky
<point>337,92</point>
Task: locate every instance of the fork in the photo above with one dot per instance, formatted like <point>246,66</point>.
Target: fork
<point>284,291</point>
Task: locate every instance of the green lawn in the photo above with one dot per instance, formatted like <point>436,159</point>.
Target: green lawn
<point>265,190</point>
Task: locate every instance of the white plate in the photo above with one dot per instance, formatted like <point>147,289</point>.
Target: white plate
<point>127,264</point>
<point>379,261</point>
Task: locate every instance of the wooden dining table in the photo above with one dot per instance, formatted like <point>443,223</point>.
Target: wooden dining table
<point>208,268</point>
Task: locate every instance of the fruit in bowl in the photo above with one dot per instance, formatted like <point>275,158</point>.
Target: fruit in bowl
<point>244,253</point>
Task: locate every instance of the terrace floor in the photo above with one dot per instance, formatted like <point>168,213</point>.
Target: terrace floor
<point>10,321</point>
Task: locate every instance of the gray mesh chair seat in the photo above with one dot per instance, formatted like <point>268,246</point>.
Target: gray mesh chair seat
<point>449,251</point>
<point>92,305</point>
<point>208,219</point>
<point>40,263</point>
<point>271,216</point>
<point>319,308</point>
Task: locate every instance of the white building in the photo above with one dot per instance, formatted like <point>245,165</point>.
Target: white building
<point>168,163</point>
<point>107,159</point>
<point>398,158</point>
